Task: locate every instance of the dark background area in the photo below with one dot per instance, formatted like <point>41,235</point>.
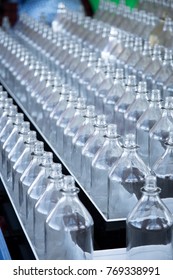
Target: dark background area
<point>13,8</point>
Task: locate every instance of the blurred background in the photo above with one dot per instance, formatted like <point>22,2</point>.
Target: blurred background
<point>48,8</point>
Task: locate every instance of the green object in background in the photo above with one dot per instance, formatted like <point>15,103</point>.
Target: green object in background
<point>130,3</point>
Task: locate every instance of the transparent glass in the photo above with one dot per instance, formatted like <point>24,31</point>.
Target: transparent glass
<point>136,109</point>
<point>146,122</point>
<point>21,164</point>
<point>124,102</point>
<point>7,129</point>
<point>94,142</point>
<point>28,176</point>
<point>126,178</point>
<point>64,119</point>
<point>72,128</point>
<point>102,162</point>
<point>45,205</point>
<point>10,142</point>
<point>69,227</point>
<point>80,138</point>
<point>149,226</point>
<point>104,88</point>
<point>159,133</point>
<point>162,170</point>
<point>56,113</point>
<point>113,95</point>
<point>15,152</point>
<point>35,191</point>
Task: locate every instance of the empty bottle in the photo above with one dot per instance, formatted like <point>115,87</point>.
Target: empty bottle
<point>69,227</point>
<point>114,94</point>
<point>104,88</point>
<point>160,131</point>
<point>44,206</point>
<point>149,226</point>
<point>72,128</point>
<point>7,129</point>
<point>16,151</point>
<point>28,176</point>
<point>21,164</point>
<point>126,178</point>
<point>163,172</point>
<point>80,138</point>
<point>124,102</point>
<point>56,113</point>
<point>64,119</point>
<point>136,109</point>
<point>102,162</point>
<point>146,122</point>
<point>11,141</point>
<point>94,142</point>
<point>5,110</point>
<point>35,191</point>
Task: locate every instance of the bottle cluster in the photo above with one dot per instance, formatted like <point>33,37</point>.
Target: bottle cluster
<point>46,200</point>
<point>101,94</point>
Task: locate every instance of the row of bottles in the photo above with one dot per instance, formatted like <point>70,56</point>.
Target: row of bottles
<point>161,8</point>
<point>79,130</point>
<point>153,24</point>
<point>55,220</point>
<point>126,50</point>
<point>45,199</point>
<point>135,113</point>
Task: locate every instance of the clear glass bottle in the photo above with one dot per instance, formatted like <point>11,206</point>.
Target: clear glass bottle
<point>94,142</point>
<point>56,113</point>
<point>162,169</point>
<point>69,227</point>
<point>102,162</point>
<point>11,141</point>
<point>124,102</point>
<point>159,133</point>
<point>50,104</point>
<point>28,176</point>
<point>16,151</point>
<point>45,205</point>
<point>7,129</point>
<point>95,82</point>
<point>114,94</point>
<point>146,122</point>
<point>155,66</point>
<point>36,92</point>
<point>86,75</point>
<point>44,96</point>
<point>163,75</point>
<point>35,191</point>
<point>80,138</point>
<point>5,110</point>
<point>126,178</point>
<point>64,119</point>
<point>21,164</point>
<point>3,96</point>
<point>149,226</point>
<point>72,128</point>
<point>136,109</point>
<point>127,51</point>
<point>145,60</point>
<point>104,88</point>
<point>135,55</point>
